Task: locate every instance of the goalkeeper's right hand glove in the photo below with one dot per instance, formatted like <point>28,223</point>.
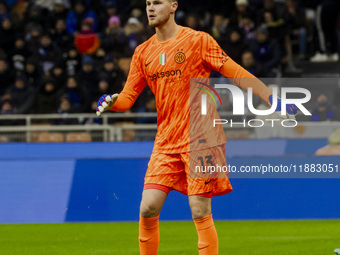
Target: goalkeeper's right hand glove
<point>105,103</point>
<point>291,109</point>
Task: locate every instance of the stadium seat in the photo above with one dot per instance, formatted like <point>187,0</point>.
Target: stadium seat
<point>35,134</point>
<point>237,134</point>
<point>78,137</point>
<point>128,135</point>
<point>4,139</point>
<point>50,137</point>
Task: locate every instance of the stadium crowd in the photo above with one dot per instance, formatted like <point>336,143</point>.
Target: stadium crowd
<point>60,56</point>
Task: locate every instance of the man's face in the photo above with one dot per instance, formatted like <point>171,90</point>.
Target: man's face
<point>322,100</point>
<point>3,66</point>
<point>218,20</point>
<point>247,59</point>
<point>46,41</point>
<point>60,25</point>
<point>30,68</point>
<point>58,8</point>
<point>79,8</point>
<point>261,37</point>
<point>19,43</point>
<point>159,11</point>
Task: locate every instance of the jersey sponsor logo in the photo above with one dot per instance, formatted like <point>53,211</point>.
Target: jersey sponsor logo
<point>160,75</point>
<point>162,59</point>
<point>180,57</point>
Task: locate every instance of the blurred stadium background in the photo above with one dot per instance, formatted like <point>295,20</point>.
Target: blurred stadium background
<point>61,164</point>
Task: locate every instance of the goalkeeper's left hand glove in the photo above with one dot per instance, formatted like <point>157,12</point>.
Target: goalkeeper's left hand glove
<point>291,109</point>
<point>105,103</point>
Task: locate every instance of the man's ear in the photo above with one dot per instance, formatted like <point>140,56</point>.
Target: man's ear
<point>174,6</point>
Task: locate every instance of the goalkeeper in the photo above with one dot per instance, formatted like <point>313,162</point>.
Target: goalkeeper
<point>165,63</point>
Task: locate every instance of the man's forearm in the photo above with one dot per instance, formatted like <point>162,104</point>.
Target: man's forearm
<point>245,80</point>
<point>124,102</point>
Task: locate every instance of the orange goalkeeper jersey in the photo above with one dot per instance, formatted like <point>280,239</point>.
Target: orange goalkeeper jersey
<point>167,68</point>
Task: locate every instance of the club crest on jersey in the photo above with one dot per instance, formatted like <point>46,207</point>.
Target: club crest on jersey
<point>180,57</point>
<point>162,59</point>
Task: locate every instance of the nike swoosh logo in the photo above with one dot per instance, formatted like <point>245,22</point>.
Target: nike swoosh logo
<point>207,182</point>
<point>201,248</point>
<point>144,241</point>
<point>148,63</point>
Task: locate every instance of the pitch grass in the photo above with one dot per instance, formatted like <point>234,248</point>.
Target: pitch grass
<point>177,238</point>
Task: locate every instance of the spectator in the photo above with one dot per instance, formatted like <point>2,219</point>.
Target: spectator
<point>7,35</point>
<point>59,75</point>
<point>87,41</point>
<point>242,8</point>
<point>60,36</point>
<point>59,12</point>
<point>7,109</point>
<point>75,94</point>
<point>248,62</point>
<point>327,15</point>
<point>33,73</point>
<point>3,11</point>
<point>247,27</point>
<point>48,54</point>
<point>235,45</point>
<point>112,74</point>
<point>272,17</point>
<point>64,108</point>
<point>46,100</point>
<point>103,88</point>
<point>99,58</point>
<point>21,95</point>
<point>110,10</point>
<point>6,76</point>
<point>134,33</point>
<point>72,61</point>
<point>18,15</point>
<point>266,52</point>
<point>323,111</point>
<point>88,76</point>
<point>192,22</point>
<point>19,53</point>
<point>34,32</point>
<point>75,17</point>
<point>35,16</point>
<point>219,29</point>
<point>114,38</point>
<point>296,21</point>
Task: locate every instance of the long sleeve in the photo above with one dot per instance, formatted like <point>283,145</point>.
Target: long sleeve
<point>216,59</point>
<point>244,79</point>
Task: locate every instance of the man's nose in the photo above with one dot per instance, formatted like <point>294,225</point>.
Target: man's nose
<point>151,8</point>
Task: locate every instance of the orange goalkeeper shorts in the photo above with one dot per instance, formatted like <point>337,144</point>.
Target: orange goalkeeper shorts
<point>202,172</point>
